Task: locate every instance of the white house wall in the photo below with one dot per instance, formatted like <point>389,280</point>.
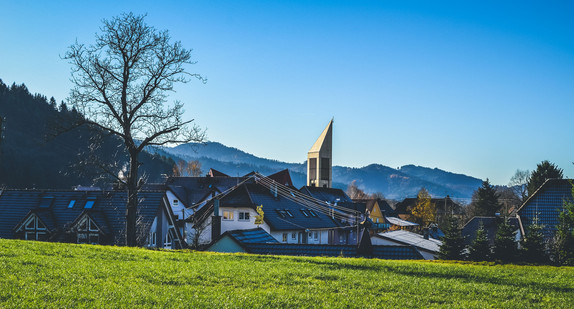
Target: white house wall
<point>177,207</point>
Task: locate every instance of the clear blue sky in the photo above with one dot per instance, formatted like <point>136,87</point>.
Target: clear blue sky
<point>475,87</point>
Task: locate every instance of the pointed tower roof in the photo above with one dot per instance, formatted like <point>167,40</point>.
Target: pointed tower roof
<point>325,140</point>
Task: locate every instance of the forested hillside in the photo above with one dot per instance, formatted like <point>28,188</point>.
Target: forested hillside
<point>41,148</point>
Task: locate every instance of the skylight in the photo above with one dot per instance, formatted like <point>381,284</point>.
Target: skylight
<point>71,204</point>
<point>90,203</point>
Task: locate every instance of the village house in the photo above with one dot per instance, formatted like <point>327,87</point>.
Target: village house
<point>90,215</point>
<point>545,205</point>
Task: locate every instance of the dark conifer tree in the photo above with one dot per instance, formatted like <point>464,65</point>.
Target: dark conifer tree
<point>544,171</point>
<point>452,243</point>
<point>480,249</point>
<point>564,238</point>
<point>533,246</point>
<point>486,200</point>
<point>505,247</point>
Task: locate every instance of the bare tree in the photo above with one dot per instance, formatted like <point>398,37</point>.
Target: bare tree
<point>518,183</point>
<point>121,84</point>
<point>356,193</point>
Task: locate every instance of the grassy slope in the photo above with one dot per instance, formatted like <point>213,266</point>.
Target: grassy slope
<point>34,274</point>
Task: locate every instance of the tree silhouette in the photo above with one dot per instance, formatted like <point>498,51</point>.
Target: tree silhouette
<point>121,84</point>
<point>544,171</point>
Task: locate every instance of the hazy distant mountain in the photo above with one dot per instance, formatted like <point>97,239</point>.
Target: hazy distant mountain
<point>393,183</point>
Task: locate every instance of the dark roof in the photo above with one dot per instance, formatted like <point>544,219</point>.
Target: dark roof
<point>330,195</point>
<point>215,173</point>
<point>108,210</point>
<point>283,177</point>
<point>333,195</point>
<point>490,225</point>
<point>546,204</point>
<point>257,235</point>
<point>280,212</point>
<point>191,190</point>
<point>381,252</point>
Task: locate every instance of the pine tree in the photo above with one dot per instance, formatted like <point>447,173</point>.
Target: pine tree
<point>533,246</point>
<point>480,249</point>
<point>486,200</point>
<point>505,248</point>
<point>452,243</point>
<point>544,171</point>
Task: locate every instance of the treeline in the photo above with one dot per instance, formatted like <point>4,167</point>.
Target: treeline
<point>43,146</point>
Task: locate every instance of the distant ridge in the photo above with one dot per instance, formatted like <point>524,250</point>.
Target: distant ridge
<point>393,183</point>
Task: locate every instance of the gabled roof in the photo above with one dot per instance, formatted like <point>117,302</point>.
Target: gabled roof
<point>412,239</point>
<point>384,206</point>
<point>215,173</point>
<point>257,235</point>
<point>283,177</point>
<point>325,141</point>
<point>330,195</point>
<point>490,225</point>
<point>15,205</point>
<point>192,190</point>
<point>400,222</point>
<point>546,203</point>
<point>280,213</point>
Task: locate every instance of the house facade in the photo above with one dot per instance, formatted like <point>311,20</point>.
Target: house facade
<point>92,216</point>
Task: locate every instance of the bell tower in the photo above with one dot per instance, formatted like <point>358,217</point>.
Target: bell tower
<point>319,160</point>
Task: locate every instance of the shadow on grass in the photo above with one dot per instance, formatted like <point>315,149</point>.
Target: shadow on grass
<point>475,278</point>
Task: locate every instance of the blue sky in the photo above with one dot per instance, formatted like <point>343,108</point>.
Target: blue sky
<point>475,87</point>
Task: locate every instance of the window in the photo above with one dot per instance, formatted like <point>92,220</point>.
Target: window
<point>288,212</point>
<point>175,202</point>
<point>316,235</point>
<point>293,235</point>
<point>304,212</point>
<point>228,215</point>
<point>34,229</point>
<point>312,168</point>
<point>312,213</point>
<point>325,167</point>
<point>87,232</point>
<point>243,216</point>
<point>284,237</point>
<point>71,204</point>
<point>282,213</point>
<point>168,239</point>
<point>90,203</point>
<point>152,239</point>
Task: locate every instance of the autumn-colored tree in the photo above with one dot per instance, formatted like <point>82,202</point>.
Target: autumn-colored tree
<point>183,168</point>
<point>424,211</point>
<point>355,193</point>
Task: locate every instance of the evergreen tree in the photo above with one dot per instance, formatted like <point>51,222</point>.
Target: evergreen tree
<point>533,246</point>
<point>505,247</point>
<point>544,171</point>
<point>564,238</point>
<point>452,242</point>
<point>480,249</point>
<point>486,200</point>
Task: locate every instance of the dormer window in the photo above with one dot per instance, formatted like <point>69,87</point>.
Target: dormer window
<point>34,229</point>
<point>87,231</point>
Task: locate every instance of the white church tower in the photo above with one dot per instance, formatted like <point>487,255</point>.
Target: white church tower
<point>319,160</point>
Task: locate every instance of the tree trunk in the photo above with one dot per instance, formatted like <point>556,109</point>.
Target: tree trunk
<point>132,206</point>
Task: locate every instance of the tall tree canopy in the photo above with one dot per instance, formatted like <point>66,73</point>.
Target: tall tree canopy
<point>424,211</point>
<point>121,85</point>
<point>485,200</point>
<point>544,171</point>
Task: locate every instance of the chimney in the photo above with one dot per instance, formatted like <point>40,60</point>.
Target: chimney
<point>426,233</point>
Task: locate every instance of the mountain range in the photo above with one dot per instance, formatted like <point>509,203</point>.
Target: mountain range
<point>397,184</point>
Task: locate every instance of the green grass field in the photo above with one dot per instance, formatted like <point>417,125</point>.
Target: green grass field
<point>36,274</point>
